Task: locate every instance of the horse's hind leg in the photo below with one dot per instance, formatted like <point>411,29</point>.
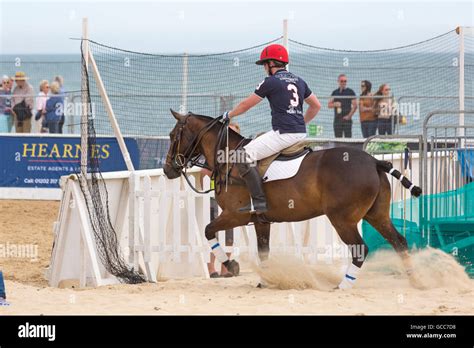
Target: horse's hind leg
<point>379,217</point>
<point>263,245</point>
<point>263,240</point>
<point>385,227</point>
<point>359,250</point>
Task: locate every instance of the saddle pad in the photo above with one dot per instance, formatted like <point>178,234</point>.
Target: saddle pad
<point>280,170</point>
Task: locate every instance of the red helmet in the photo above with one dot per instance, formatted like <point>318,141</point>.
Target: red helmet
<point>273,52</point>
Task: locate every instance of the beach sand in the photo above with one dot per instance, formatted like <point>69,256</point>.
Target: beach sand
<point>292,286</point>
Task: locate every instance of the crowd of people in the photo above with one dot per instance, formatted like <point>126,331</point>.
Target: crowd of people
<point>21,113</point>
<point>378,112</point>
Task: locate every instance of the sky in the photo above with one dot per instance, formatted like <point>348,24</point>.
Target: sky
<point>216,26</point>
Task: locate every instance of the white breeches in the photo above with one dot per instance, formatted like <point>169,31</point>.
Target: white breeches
<point>270,143</point>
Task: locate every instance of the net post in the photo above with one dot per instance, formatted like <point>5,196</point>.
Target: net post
<point>184,100</point>
<point>460,31</point>
<point>285,38</point>
<point>84,96</point>
<point>111,114</point>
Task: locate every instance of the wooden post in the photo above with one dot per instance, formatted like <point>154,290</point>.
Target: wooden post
<point>84,96</point>
<point>111,114</point>
<point>184,100</point>
<point>285,38</point>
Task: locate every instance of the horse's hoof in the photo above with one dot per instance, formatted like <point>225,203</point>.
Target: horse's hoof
<point>416,283</point>
<point>233,267</point>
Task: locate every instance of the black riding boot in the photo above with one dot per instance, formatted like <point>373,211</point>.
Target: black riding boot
<point>255,186</point>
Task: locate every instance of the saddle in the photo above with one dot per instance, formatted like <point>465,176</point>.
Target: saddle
<point>297,150</point>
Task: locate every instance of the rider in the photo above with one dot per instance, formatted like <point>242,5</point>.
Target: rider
<point>285,93</point>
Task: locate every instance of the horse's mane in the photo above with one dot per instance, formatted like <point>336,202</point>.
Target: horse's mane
<point>209,119</point>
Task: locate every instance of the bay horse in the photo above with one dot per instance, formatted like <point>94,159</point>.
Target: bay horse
<point>344,183</point>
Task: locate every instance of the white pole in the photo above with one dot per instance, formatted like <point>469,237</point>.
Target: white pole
<point>285,37</point>
<point>84,96</point>
<point>110,112</point>
<point>184,101</point>
<point>460,31</point>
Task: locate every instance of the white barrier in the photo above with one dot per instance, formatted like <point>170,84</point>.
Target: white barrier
<point>160,225</point>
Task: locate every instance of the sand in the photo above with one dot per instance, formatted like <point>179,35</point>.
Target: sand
<point>292,286</point>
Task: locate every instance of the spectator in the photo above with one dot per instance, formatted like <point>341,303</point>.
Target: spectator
<point>229,234</point>
<point>5,112</point>
<point>344,108</point>
<point>22,103</point>
<point>7,83</point>
<point>54,109</point>
<point>59,79</point>
<point>368,120</point>
<point>41,100</point>
<point>385,109</point>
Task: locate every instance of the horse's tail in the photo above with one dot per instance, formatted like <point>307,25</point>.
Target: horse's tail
<point>387,167</point>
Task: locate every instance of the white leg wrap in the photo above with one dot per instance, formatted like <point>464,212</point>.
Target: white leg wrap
<point>217,250</point>
<point>350,277</point>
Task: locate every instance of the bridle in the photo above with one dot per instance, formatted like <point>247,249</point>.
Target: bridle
<point>181,161</point>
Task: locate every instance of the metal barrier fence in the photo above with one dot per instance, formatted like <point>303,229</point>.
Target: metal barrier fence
<point>441,162</point>
<point>447,146</point>
<point>445,142</point>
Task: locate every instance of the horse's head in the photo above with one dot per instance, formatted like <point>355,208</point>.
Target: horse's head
<point>182,145</point>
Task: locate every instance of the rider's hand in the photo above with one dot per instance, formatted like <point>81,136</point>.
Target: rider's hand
<point>225,116</point>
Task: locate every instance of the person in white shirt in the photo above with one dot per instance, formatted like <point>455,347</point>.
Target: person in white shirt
<point>41,99</point>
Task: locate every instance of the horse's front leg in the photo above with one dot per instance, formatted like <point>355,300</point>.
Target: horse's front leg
<point>224,222</point>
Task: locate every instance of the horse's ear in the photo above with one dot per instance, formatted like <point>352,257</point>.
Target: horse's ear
<point>177,115</point>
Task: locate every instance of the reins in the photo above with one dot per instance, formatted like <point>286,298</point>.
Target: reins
<point>182,160</point>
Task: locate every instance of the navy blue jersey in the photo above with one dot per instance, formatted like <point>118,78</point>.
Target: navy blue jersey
<point>286,93</point>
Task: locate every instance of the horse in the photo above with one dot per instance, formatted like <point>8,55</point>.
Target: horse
<point>344,183</point>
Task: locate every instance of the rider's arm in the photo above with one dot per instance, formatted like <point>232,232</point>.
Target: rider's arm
<point>314,107</point>
<point>245,105</point>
